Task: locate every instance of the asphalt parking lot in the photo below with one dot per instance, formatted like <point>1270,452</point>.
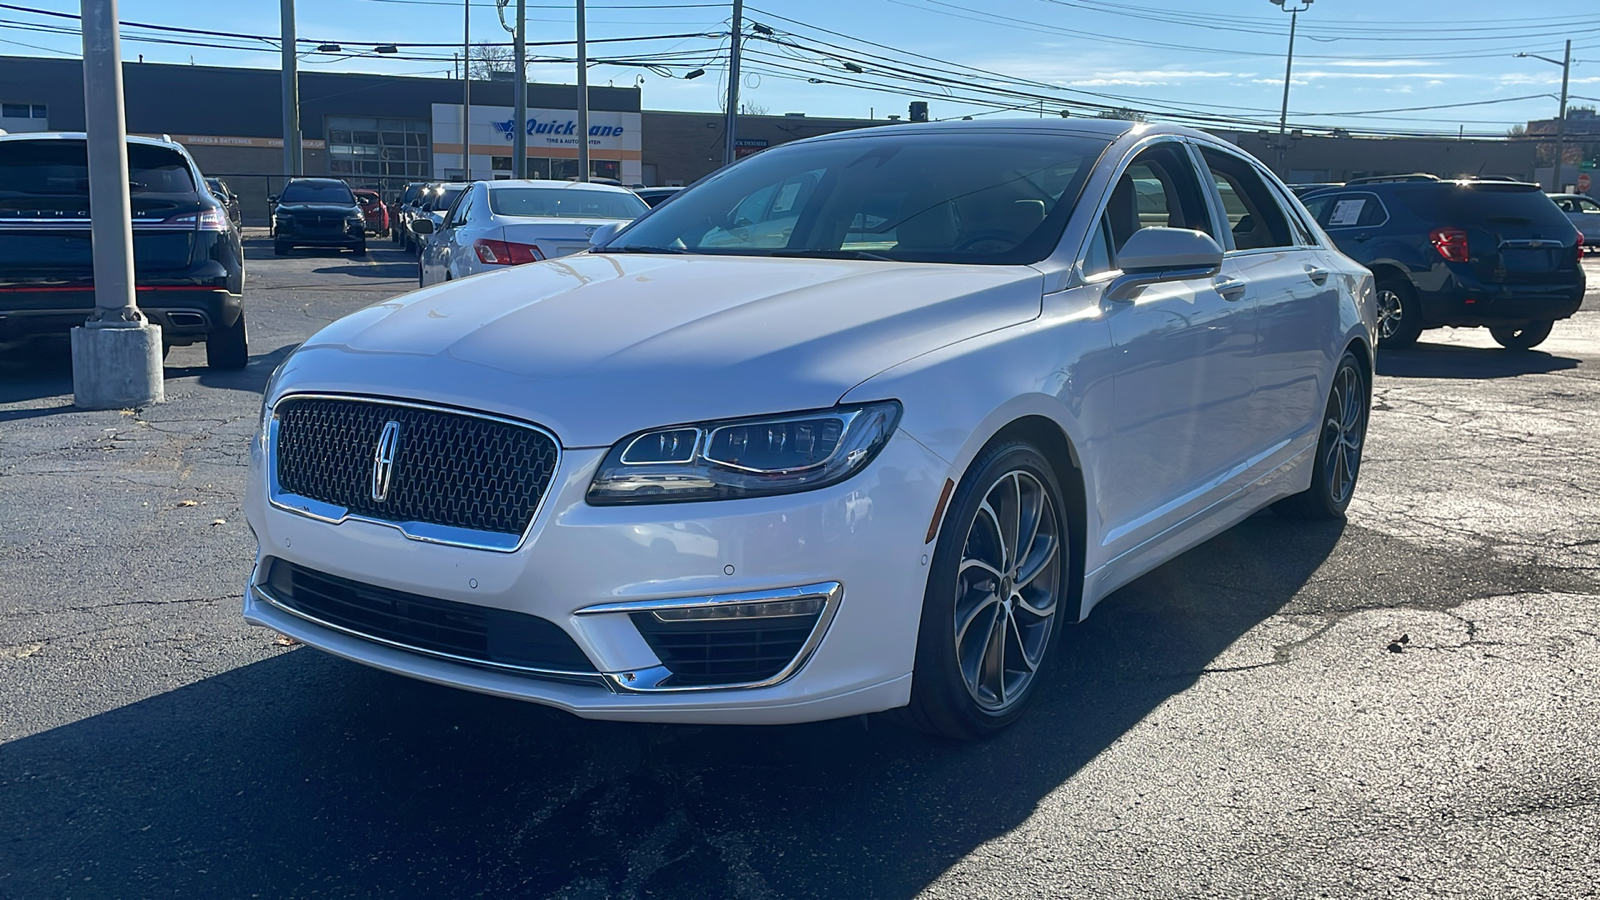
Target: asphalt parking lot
<point>1404,705</point>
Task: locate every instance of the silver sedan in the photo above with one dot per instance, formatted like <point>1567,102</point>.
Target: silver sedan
<point>494,224</point>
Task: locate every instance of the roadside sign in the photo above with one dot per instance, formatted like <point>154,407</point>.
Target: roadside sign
<point>1583,183</point>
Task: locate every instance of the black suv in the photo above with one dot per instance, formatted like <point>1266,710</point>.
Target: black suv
<point>188,267</point>
<point>318,212</point>
<point>1460,253</point>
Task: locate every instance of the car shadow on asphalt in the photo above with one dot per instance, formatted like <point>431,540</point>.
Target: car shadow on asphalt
<point>305,772</point>
<point>1452,361</point>
<point>406,270</point>
<point>42,368</point>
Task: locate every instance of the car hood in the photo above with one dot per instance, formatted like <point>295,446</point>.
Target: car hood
<point>325,209</point>
<point>597,346</point>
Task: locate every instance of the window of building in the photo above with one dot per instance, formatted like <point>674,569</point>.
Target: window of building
<point>22,110</point>
<point>393,148</point>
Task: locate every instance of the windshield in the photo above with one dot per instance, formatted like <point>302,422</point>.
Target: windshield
<point>317,192</point>
<point>564,203</point>
<point>445,197</point>
<point>990,198</point>
<point>61,167</point>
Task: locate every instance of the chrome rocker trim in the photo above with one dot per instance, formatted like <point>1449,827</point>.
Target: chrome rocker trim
<point>651,680</point>
<point>424,532</point>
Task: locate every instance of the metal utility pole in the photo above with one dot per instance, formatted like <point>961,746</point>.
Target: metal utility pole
<point>1288,69</point>
<point>731,136</point>
<point>519,140</point>
<point>466,89</point>
<point>116,354</point>
<point>583,95</point>
<point>293,160</point>
<point>1565,62</point>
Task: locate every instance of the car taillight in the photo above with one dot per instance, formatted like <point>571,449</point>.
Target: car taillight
<point>205,220</point>
<point>505,253</point>
<point>1577,249</point>
<point>1451,243</point>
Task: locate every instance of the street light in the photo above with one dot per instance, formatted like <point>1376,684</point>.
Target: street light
<point>1561,123</point>
<point>1282,144</point>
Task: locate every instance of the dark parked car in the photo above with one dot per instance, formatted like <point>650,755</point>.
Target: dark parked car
<point>375,211</point>
<point>1460,253</point>
<point>1300,190</point>
<point>318,212</point>
<point>655,196</point>
<point>431,204</point>
<point>230,200</point>
<point>400,211</point>
<point>188,264</point>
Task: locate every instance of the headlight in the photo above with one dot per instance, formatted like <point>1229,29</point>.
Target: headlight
<point>264,419</point>
<point>744,457</point>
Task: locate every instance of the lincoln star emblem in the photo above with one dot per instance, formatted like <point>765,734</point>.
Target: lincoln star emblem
<point>383,460</point>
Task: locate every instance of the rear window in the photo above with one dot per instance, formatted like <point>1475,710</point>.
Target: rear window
<point>317,192</point>
<point>567,203</point>
<point>61,168</point>
<point>1487,204</point>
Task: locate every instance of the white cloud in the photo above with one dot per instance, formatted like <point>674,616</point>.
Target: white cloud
<point>1375,63</point>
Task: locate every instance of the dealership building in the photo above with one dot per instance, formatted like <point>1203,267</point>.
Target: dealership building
<point>385,130</point>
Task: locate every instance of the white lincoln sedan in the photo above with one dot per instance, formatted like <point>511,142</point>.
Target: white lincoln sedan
<point>495,224</point>
<point>860,423</point>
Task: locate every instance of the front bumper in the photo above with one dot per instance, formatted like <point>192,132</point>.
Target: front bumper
<point>584,568</point>
<point>295,235</point>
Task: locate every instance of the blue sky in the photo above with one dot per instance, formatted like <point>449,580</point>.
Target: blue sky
<point>1219,57</point>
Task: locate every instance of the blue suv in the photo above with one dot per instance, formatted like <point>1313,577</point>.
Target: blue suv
<point>1459,253</point>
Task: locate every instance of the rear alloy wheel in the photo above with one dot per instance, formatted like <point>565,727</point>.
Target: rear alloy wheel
<point>1399,320</point>
<point>228,348</point>
<point>998,577</point>
<point>1338,463</point>
<point>1522,337</point>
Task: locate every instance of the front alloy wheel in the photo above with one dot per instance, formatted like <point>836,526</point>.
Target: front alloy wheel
<point>1006,591</point>
<point>998,577</point>
<point>1338,462</point>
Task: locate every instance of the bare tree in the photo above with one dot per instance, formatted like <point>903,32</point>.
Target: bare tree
<point>747,108</point>
<point>486,61</point>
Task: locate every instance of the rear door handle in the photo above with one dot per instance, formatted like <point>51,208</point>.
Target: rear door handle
<point>1318,275</point>
<point>1230,288</point>
<point>1360,238</point>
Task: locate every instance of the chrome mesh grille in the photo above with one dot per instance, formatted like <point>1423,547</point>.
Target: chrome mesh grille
<point>451,469</point>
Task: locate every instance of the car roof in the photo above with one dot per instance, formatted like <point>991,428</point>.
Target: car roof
<point>81,136</point>
<point>1109,129</point>
<point>318,180</point>
<point>554,185</point>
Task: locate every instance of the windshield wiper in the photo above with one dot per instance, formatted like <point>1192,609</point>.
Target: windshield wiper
<point>632,249</point>
<point>830,254</point>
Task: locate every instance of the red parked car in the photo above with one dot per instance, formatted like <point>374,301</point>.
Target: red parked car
<point>375,211</point>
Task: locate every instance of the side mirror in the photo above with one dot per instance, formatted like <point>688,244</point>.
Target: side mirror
<point>272,198</point>
<point>422,225</point>
<point>604,234</point>
<point>1156,255</point>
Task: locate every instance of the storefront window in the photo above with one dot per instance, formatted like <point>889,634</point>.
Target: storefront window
<point>378,148</point>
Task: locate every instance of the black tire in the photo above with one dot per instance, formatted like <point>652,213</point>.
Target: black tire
<point>945,693</point>
<point>1344,434</point>
<point>1399,314</point>
<point>359,249</point>
<point>1522,337</point>
<point>228,348</point>
<point>279,248</point>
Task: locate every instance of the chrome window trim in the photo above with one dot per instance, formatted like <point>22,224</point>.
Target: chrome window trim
<point>1229,250</point>
<point>262,594</point>
<point>650,680</point>
<point>423,532</point>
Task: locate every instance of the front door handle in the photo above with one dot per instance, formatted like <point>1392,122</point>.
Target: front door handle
<point>1318,275</point>
<point>1230,288</point>
<point>1362,238</point>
